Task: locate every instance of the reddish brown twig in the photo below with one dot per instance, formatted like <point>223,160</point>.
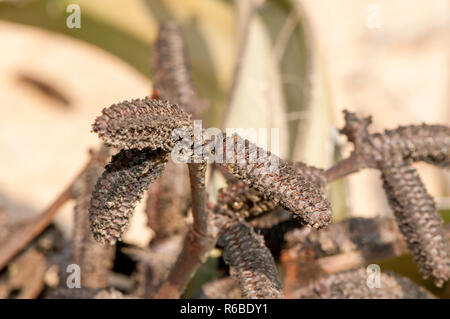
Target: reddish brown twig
<point>198,192</point>
<point>343,168</point>
<point>195,250</point>
<point>169,197</point>
<point>28,232</point>
<point>198,242</point>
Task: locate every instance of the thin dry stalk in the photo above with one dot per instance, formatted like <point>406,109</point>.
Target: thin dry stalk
<point>23,236</point>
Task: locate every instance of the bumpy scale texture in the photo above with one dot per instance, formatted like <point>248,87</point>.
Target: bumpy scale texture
<point>172,69</point>
<point>244,201</point>
<point>279,181</point>
<point>120,188</point>
<point>415,210</point>
<point>353,285</point>
<point>141,123</point>
<point>317,175</point>
<point>418,220</point>
<point>427,143</point>
<point>251,262</point>
<point>95,259</point>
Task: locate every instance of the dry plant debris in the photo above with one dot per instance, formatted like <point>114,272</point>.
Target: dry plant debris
<point>273,211</point>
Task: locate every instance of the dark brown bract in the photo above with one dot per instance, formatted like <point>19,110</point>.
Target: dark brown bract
<point>120,188</point>
<point>418,219</point>
<point>278,180</point>
<point>141,123</point>
<point>251,262</point>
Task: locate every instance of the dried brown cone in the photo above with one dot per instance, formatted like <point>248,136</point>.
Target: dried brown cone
<point>418,219</point>
<point>94,259</point>
<point>120,188</point>
<point>251,263</point>
<point>141,123</point>
<point>279,181</point>
<point>354,285</point>
<point>244,201</point>
<point>427,143</point>
<point>317,175</point>
<point>223,288</point>
<point>172,69</point>
<point>415,210</point>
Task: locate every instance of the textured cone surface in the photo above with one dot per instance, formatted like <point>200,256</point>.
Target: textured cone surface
<point>172,69</point>
<point>427,143</point>
<point>278,180</point>
<point>141,123</point>
<point>354,285</point>
<point>251,262</point>
<point>317,175</point>
<point>120,188</point>
<point>418,219</point>
<point>415,210</point>
<point>244,201</point>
